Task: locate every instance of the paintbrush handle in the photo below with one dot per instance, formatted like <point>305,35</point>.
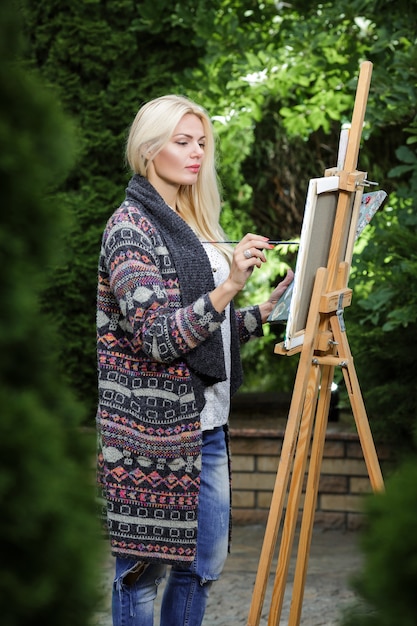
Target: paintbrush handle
<point>271,241</point>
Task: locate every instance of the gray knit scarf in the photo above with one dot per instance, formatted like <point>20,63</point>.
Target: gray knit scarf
<point>206,361</point>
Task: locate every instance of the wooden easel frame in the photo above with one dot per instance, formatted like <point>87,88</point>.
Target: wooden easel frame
<point>324,348</point>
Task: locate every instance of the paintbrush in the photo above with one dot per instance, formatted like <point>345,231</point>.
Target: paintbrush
<point>271,241</point>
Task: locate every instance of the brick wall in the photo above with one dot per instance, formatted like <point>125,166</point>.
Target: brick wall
<point>344,479</point>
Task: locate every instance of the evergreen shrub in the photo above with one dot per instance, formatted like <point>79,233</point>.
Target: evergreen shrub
<point>387,584</point>
<point>48,522</point>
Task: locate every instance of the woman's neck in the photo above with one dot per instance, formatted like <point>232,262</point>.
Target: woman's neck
<point>167,191</point>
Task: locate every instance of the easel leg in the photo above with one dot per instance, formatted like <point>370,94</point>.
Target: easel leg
<point>277,502</point>
<point>294,497</point>
<point>287,454</point>
<point>310,500</point>
<point>298,438</point>
<point>358,408</point>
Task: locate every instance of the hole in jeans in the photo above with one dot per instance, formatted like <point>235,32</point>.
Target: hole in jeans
<point>133,575</point>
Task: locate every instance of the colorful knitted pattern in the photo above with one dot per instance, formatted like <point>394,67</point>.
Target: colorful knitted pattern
<point>150,394</point>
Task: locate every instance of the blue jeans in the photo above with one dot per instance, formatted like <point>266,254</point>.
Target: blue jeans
<point>187,589</point>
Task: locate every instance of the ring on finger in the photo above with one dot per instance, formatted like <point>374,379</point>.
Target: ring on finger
<point>247,254</point>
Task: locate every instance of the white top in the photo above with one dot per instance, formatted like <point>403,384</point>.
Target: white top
<point>216,409</point>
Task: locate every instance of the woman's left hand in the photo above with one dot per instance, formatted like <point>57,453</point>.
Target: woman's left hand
<point>266,307</point>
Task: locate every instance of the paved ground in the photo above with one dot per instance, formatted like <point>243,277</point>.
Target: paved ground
<point>334,557</point>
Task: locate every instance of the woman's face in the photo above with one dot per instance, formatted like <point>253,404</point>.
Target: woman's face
<point>179,162</point>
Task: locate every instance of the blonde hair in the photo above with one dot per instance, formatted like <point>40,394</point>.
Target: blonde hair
<point>151,130</point>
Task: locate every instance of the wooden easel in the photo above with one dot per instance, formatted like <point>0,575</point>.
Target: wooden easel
<point>324,348</point>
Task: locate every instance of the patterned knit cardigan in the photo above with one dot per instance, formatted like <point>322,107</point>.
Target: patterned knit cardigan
<point>159,346</point>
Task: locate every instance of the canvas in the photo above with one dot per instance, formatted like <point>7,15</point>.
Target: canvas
<point>315,239</point>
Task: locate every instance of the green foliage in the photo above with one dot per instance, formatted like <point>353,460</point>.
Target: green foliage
<point>48,519</point>
<point>385,315</point>
<point>387,582</point>
<point>279,79</point>
<point>102,60</point>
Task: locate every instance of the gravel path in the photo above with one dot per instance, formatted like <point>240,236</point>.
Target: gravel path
<point>334,557</point>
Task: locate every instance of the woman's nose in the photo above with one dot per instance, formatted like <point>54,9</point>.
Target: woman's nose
<point>198,150</point>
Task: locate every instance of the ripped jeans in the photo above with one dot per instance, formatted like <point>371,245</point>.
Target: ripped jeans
<point>186,591</point>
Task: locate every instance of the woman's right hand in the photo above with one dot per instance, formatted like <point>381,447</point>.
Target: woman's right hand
<point>247,255</point>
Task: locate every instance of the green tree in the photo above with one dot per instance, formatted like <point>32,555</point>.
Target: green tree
<point>279,80</point>
<point>385,323</point>
<point>102,60</point>
<point>384,311</point>
<point>303,71</point>
<point>48,516</point>
<point>305,91</point>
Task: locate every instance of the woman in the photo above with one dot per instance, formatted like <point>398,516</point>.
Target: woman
<point>168,361</point>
